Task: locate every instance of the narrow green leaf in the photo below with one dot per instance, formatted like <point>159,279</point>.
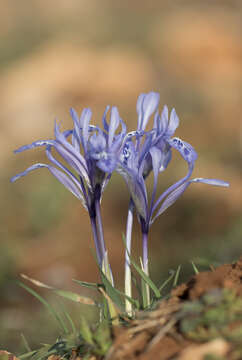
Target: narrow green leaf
<point>195,269</point>
<point>74,297</point>
<point>87,284</point>
<point>131,300</point>
<point>47,305</point>
<point>166,282</point>
<point>72,325</point>
<point>177,276</point>
<point>64,293</point>
<point>146,279</point>
<point>25,342</point>
<point>112,293</point>
<point>28,354</point>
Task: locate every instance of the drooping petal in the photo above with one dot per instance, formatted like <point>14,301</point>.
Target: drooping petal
<point>186,150</point>
<point>67,150</point>
<point>173,187</point>
<point>171,199</point>
<point>69,173</point>
<point>33,145</point>
<point>29,169</point>
<point>114,123</point>
<point>175,194</point>
<point>214,182</point>
<point>68,183</point>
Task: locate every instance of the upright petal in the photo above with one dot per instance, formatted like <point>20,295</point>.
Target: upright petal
<point>173,123</point>
<point>76,136</point>
<point>104,120</point>
<point>114,123</point>
<point>85,120</point>
<point>149,105</point>
<point>163,125</point>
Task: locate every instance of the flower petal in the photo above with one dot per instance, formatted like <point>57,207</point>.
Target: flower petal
<point>29,169</point>
<point>135,189</point>
<point>67,151</point>
<point>186,150</point>
<point>76,136</point>
<point>149,105</point>
<point>114,123</point>
<point>171,199</point>
<point>214,182</point>
<point>33,145</point>
<point>84,123</point>
<point>173,123</point>
<point>105,124</point>
<point>68,172</point>
<point>164,120</point>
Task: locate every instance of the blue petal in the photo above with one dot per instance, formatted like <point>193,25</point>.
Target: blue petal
<point>149,105</point>
<point>164,120</point>
<point>114,123</point>
<point>67,182</point>
<point>96,143</point>
<point>62,167</point>
<point>136,189</point>
<point>171,199</point>
<point>173,123</point>
<point>185,149</point>
<point>76,137</point>
<point>108,163</point>
<point>156,156</point>
<point>214,182</point>
<point>31,168</point>
<point>70,154</point>
<point>84,121</point>
<point>33,145</point>
<point>165,159</point>
<point>105,124</point>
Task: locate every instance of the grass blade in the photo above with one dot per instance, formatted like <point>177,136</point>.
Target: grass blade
<point>87,284</point>
<point>166,282</point>
<point>146,279</point>
<point>47,305</point>
<point>25,342</point>
<point>64,293</point>
<point>195,269</point>
<point>177,276</point>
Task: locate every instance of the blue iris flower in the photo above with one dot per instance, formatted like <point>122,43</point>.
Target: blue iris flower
<point>92,156</point>
<point>152,151</point>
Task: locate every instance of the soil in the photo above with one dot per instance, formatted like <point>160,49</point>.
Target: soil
<point>161,334</point>
<point>201,320</point>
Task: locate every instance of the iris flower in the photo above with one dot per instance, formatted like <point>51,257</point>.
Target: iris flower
<point>91,156</point>
<point>154,154</point>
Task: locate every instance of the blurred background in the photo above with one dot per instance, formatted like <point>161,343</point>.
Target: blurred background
<point>68,53</point>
